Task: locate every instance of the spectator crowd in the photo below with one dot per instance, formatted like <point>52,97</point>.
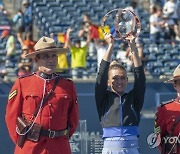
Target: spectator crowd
<point>85,44</point>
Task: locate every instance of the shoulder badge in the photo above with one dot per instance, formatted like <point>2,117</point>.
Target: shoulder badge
<point>166,102</point>
<point>67,79</point>
<point>12,94</point>
<point>26,75</point>
<point>61,77</point>
<point>157,129</point>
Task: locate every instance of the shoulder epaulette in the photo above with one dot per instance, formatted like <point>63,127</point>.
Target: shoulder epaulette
<point>67,79</point>
<point>61,77</point>
<point>166,102</point>
<point>23,76</point>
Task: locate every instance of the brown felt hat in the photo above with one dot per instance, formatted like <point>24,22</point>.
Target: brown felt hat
<point>176,75</point>
<point>45,44</point>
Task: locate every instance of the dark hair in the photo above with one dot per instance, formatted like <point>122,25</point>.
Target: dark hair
<point>77,41</point>
<point>87,15</point>
<point>134,4</point>
<point>156,8</point>
<point>19,10</point>
<point>175,81</point>
<point>38,56</point>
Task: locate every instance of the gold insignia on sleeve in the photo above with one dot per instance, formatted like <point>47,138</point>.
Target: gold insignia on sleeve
<point>12,94</point>
<point>157,129</point>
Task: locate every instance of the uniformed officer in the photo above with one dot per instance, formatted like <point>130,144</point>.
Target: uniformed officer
<point>55,116</point>
<point>167,121</point>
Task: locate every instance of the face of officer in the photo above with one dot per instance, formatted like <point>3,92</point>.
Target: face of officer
<point>177,86</point>
<point>47,62</point>
<point>117,79</point>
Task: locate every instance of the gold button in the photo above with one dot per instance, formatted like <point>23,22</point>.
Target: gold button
<point>50,104</point>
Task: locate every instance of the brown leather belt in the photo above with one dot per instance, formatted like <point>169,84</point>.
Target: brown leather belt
<point>53,134</point>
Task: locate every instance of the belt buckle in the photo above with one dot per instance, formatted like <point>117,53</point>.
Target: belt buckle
<point>51,134</point>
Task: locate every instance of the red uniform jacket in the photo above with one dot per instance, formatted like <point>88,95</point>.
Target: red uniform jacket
<point>166,115</point>
<point>58,113</point>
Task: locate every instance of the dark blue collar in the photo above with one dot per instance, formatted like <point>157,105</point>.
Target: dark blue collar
<point>47,76</point>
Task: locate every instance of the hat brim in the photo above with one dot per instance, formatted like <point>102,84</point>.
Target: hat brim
<point>172,80</point>
<point>57,50</point>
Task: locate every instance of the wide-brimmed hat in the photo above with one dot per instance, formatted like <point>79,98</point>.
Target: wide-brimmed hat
<point>45,44</point>
<point>176,75</point>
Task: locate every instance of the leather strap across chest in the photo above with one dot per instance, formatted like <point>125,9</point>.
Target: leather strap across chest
<point>46,97</point>
<point>177,120</point>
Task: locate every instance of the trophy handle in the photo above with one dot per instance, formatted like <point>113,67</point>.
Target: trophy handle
<point>103,22</point>
<point>135,24</point>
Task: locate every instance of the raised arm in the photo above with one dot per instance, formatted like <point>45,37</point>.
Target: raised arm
<point>12,48</point>
<point>109,39</point>
<point>139,77</point>
<point>68,40</point>
<point>102,77</point>
<point>135,56</point>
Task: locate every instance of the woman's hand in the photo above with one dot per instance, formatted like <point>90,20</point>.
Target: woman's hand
<point>109,39</point>
<point>132,43</point>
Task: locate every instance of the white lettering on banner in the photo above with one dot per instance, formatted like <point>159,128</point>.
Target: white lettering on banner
<point>171,140</point>
<point>154,139</point>
<point>76,136</point>
<point>80,140</point>
<point>83,136</point>
<point>74,147</point>
<point>165,139</point>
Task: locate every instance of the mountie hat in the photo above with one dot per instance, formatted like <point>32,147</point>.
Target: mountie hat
<point>176,75</point>
<point>45,44</point>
